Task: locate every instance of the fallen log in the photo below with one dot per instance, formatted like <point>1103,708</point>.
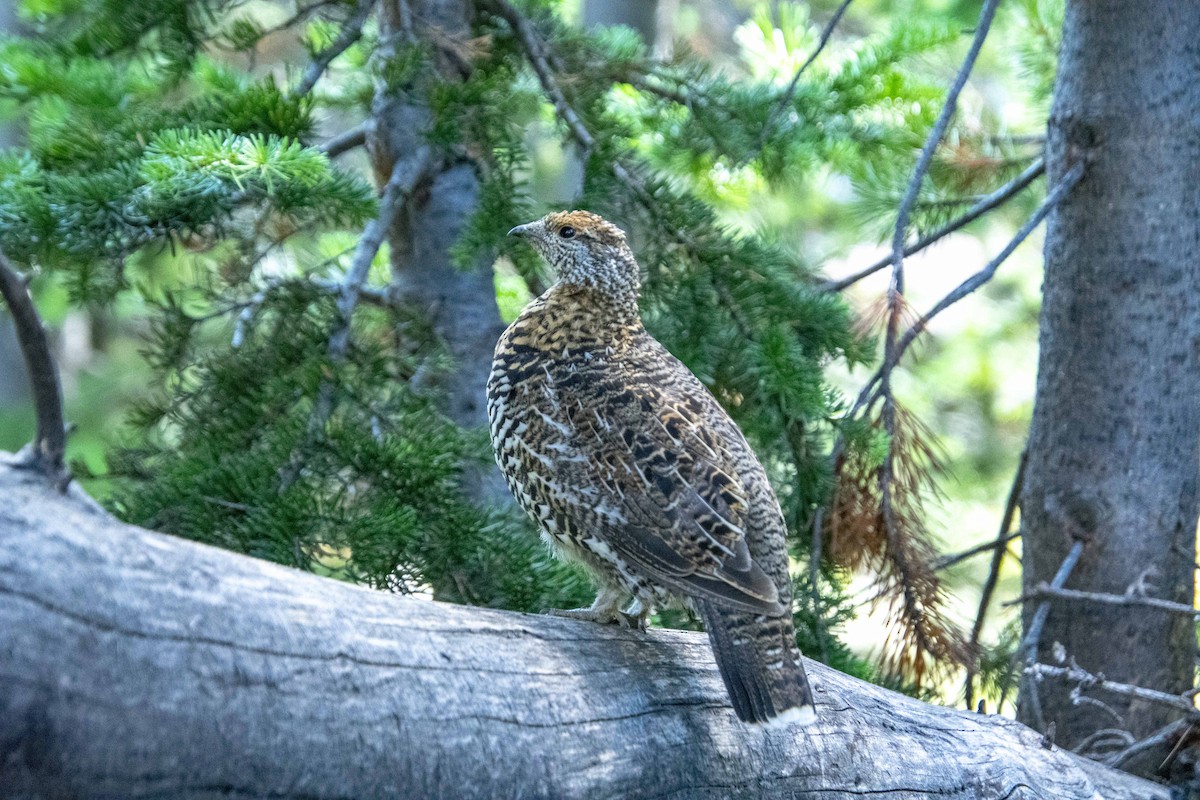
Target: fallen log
<point>135,664</point>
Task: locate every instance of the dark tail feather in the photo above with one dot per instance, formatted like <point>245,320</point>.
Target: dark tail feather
<point>760,663</point>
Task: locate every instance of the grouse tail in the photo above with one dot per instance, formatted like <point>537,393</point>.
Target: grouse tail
<point>760,664</point>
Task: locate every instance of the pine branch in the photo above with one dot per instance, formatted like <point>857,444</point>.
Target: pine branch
<point>992,201</point>
<point>351,32</point>
<point>45,454</point>
<point>407,173</point>
<point>785,100</point>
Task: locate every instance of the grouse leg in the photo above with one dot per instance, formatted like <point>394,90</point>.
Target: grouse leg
<point>606,610</point>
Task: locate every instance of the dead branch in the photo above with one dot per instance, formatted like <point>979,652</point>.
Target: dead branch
<point>992,201</point>
<point>350,33</point>
<point>45,453</point>
<point>407,173</point>
<point>345,141</point>
<point>1087,680</point>
<point>1000,549</point>
<point>1045,591</point>
<point>1033,634</point>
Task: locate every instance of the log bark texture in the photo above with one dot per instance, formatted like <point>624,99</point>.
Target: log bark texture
<point>1114,447</point>
<point>134,664</point>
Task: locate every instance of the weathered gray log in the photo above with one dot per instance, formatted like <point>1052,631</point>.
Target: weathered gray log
<point>134,664</point>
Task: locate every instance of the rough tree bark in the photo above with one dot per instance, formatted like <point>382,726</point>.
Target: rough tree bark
<point>458,304</point>
<point>1113,451</point>
<point>134,664</point>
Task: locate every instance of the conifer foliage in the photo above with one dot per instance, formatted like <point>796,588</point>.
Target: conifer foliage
<point>161,164</point>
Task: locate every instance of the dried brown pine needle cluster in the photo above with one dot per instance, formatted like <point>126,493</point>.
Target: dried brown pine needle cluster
<point>876,524</point>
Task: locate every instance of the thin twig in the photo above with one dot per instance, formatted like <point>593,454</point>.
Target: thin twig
<point>994,545</point>
<point>297,17</point>
<point>985,204</point>
<point>1043,591</point>
<point>534,48</point>
<point>1000,545</point>
<point>1087,680</point>
<point>872,391</point>
<point>539,59</point>
<point>351,32</point>
<point>1033,635</point>
<point>345,141</point>
<point>935,137</point>
<point>45,454</point>
<point>786,98</point>
<point>984,275</point>
<point>1029,645</point>
<point>895,294</point>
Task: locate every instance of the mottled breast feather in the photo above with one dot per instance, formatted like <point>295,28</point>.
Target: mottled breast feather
<point>626,459</point>
<point>632,468</point>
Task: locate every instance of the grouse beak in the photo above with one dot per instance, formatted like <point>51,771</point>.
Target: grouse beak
<point>522,230</point>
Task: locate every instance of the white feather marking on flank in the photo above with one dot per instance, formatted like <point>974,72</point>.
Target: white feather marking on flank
<point>800,715</point>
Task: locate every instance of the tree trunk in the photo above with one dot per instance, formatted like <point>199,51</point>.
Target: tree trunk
<point>459,305</point>
<point>135,664</point>
<point>1113,451</point>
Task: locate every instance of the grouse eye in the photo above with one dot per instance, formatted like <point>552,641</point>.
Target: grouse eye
<point>566,232</point>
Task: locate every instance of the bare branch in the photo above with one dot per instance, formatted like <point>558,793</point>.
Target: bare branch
<point>872,391</point>
<point>988,203</point>
<point>351,32</point>
<point>406,174</point>
<point>1087,680</point>
<point>984,275</point>
<point>931,142</point>
<point>1000,545</point>
<point>345,141</point>
<point>1033,635</point>
<point>299,16</point>
<point>536,50</point>
<point>995,545</point>
<point>1057,593</point>
<point>45,454</point>
<point>1159,740</point>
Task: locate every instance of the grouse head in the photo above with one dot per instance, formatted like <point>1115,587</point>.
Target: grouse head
<point>586,251</point>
